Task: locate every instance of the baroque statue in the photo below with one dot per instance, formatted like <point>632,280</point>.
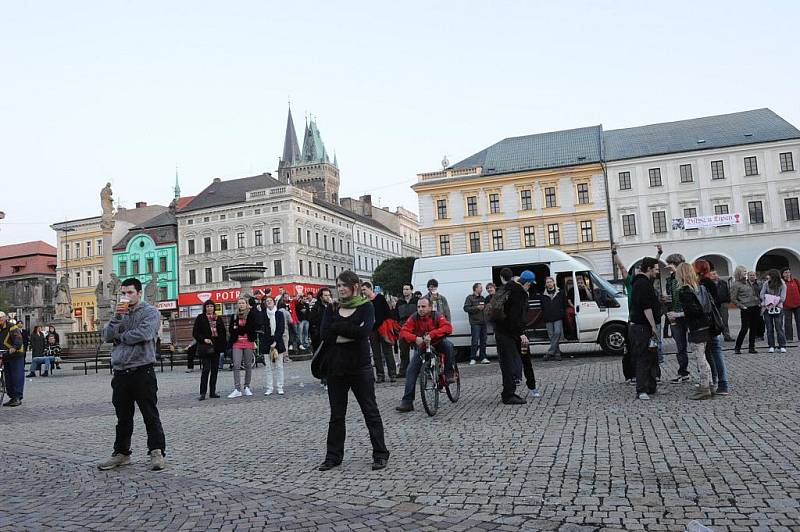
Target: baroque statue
<point>63,300</point>
<point>107,201</point>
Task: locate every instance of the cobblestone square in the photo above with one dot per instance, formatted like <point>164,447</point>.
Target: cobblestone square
<point>585,456</point>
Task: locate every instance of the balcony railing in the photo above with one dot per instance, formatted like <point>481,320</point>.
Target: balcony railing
<point>450,173</point>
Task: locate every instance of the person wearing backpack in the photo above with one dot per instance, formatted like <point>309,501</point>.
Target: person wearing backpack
<point>773,296</point>
<point>507,310</point>
<point>714,353</point>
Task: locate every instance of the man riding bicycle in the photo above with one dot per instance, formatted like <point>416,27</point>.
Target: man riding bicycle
<point>423,329</point>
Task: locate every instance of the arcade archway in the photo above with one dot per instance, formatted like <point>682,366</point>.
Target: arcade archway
<point>779,258</point>
<point>721,264</point>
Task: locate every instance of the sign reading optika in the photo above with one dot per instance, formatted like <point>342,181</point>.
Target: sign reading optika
<point>698,222</point>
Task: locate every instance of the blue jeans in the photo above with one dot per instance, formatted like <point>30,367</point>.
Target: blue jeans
<point>15,375</point>
<point>38,361</point>
<point>303,333</point>
<point>555,330</point>
<point>414,366</point>
<point>679,333</point>
<point>775,325</point>
<point>719,368</point>
<point>478,341</point>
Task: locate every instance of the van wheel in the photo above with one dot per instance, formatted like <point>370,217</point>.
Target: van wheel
<point>612,339</point>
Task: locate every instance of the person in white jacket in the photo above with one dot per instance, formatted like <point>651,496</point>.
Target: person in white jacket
<point>274,347</point>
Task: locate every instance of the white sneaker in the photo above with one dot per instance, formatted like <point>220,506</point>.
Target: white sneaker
<point>268,392</point>
<point>783,349</point>
<point>472,362</point>
<point>234,394</point>
<point>644,397</point>
<point>247,391</point>
<point>771,349</point>
<point>280,391</point>
<point>536,393</point>
<point>485,361</point>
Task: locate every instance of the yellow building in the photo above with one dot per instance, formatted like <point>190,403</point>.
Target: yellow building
<point>544,190</point>
<point>80,255</point>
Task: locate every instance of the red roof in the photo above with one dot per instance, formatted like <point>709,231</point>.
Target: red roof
<point>27,248</point>
<point>183,201</point>
<point>28,258</point>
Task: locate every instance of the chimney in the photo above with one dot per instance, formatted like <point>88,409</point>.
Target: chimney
<point>140,204</point>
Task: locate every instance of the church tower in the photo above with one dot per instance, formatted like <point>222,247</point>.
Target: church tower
<point>310,169</point>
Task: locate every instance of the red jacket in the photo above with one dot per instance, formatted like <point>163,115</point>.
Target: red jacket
<point>792,294</point>
<point>293,310</point>
<point>419,326</point>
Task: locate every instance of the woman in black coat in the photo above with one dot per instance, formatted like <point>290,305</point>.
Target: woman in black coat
<point>345,330</point>
<point>211,341</point>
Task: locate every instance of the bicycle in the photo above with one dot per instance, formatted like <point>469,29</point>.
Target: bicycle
<point>2,376</point>
<point>433,378</point>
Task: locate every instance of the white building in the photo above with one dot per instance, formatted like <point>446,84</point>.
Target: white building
<point>742,163</point>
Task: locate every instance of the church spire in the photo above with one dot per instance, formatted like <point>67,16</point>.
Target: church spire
<point>177,186</point>
<point>291,149</point>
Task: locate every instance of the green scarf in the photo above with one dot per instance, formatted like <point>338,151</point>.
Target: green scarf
<point>353,302</point>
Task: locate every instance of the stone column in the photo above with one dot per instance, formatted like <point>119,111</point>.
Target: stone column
<point>104,304</point>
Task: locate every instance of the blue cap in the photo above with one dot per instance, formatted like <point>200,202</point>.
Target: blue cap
<point>527,276</point>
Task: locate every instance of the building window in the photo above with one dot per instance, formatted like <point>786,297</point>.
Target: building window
<point>550,197</point>
<point>190,247</point>
<point>529,238</point>
<point>100,246</point>
<point>256,212</point>
<point>89,250</point>
<point>441,209</point>
<point>258,236</point>
<point>325,242</point>
<point>624,180</point>
<point>659,222</point>
<point>77,250</point>
<point>316,239</point>
<point>221,216</point>
<point>690,212</point>
<point>750,166</point>
<point>192,277</point>
<point>89,278</point>
<point>628,224</point>
<point>207,244</point>
<point>239,214</point>
<point>553,234</point>
<point>66,251</point>
<point>319,270</point>
<point>276,235</point>
<point>583,194</point>
<point>239,240</point>
<point>474,242</point>
<point>792,209</point>
<point>359,262</point>
<point>162,293</point>
<point>135,267</point>
<point>444,244</point>
<point>277,267</point>
<point>348,247</point>
<point>327,271</point>
<point>162,264</point>
<point>721,209</point>
<point>655,177</point>
<point>525,200</point>
<point>123,269</point>
<point>472,206</point>
<point>586,231</point>
<point>223,242</point>
<point>77,279</point>
<point>310,271</point>
<point>189,222</point>
<point>717,170</point>
<point>494,203</point>
<point>299,235</point>
<point>756,211</point>
<point>301,266</point>
<point>686,173</point>
<point>787,164</point>
<point>149,264</point>
<point>370,240</point>
<point>209,275</point>
<point>497,239</point>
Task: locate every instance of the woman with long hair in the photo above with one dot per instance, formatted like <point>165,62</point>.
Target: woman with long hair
<point>209,333</point>
<point>746,295</point>
<point>698,324</point>
<point>773,296</point>
<point>273,347</point>
<point>242,332</point>
<point>714,354</point>
<point>345,330</point>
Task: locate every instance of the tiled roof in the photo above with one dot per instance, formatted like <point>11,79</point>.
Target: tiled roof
<point>182,202</point>
<point>735,129</point>
<point>554,149</point>
<point>366,220</point>
<point>231,191</point>
<point>139,214</point>
<point>163,219</point>
<point>36,247</point>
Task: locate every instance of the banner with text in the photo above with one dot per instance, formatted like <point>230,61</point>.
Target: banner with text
<point>698,222</point>
<point>228,295</point>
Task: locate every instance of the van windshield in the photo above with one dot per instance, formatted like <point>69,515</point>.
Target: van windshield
<point>605,285</point>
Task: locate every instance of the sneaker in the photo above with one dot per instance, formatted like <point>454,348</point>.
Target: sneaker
<point>485,361</point>
<point>234,394</point>
<point>630,381</point>
<point>31,374</point>
<point>247,391</point>
<point>644,397</point>
<point>268,392</point>
<point>378,463</point>
<point>722,389</point>
<point>771,349</point>
<point>472,362</point>
<point>703,392</point>
<point>536,393</point>
<point>116,460</point>
<point>13,402</point>
<point>783,350</point>
<point>403,407</point>
<point>280,391</point>
<point>157,461</point>
<point>327,465</point>
<point>680,379</point>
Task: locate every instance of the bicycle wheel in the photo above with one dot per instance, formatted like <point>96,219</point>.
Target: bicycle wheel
<point>429,385</point>
<point>454,389</point>
<point>2,386</point>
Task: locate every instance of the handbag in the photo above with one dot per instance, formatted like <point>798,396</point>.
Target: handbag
<point>205,350</point>
<point>319,362</point>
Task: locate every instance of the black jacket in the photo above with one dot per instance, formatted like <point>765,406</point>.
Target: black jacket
<point>351,357</point>
<point>315,322</point>
<point>202,331</point>
<point>406,308</point>
<point>711,286</point>
<point>723,292</point>
<point>382,311</point>
<point>553,308</point>
<point>303,310</point>
<point>696,318</point>
<point>515,309</point>
<point>38,343</point>
<point>643,297</point>
<point>249,328</point>
<point>269,338</point>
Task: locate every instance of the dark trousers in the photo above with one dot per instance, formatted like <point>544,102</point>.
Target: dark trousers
<point>646,359</point>
<point>788,314</point>
<point>363,386</point>
<point>527,368</point>
<point>478,331</point>
<point>680,333</point>
<point>208,378</point>
<point>141,388</point>
<point>405,349</point>
<point>15,375</point>
<point>628,362</point>
<point>508,353</point>
<point>750,318</point>
<point>382,350</point>
<point>444,348</point>
<point>190,360</point>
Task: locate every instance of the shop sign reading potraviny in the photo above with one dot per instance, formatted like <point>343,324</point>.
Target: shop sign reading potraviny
<point>230,295</point>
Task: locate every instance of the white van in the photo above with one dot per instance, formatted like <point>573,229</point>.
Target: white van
<point>601,311</point>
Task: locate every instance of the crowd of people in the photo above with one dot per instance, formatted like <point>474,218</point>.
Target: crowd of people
<point>15,342</point>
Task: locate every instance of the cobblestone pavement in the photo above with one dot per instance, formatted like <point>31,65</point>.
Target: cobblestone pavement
<point>585,456</point>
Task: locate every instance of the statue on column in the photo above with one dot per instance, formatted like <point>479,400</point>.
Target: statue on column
<point>107,201</point>
<point>114,285</point>
<point>151,290</point>
<point>63,300</point>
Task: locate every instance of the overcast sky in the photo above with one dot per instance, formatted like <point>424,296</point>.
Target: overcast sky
<point>124,91</point>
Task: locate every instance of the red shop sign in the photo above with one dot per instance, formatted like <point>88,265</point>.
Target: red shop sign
<point>230,295</point>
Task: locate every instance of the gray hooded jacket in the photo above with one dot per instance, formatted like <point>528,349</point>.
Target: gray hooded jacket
<point>134,337</point>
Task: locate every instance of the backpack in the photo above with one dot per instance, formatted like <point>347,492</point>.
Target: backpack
<point>496,311</point>
<point>715,325</point>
